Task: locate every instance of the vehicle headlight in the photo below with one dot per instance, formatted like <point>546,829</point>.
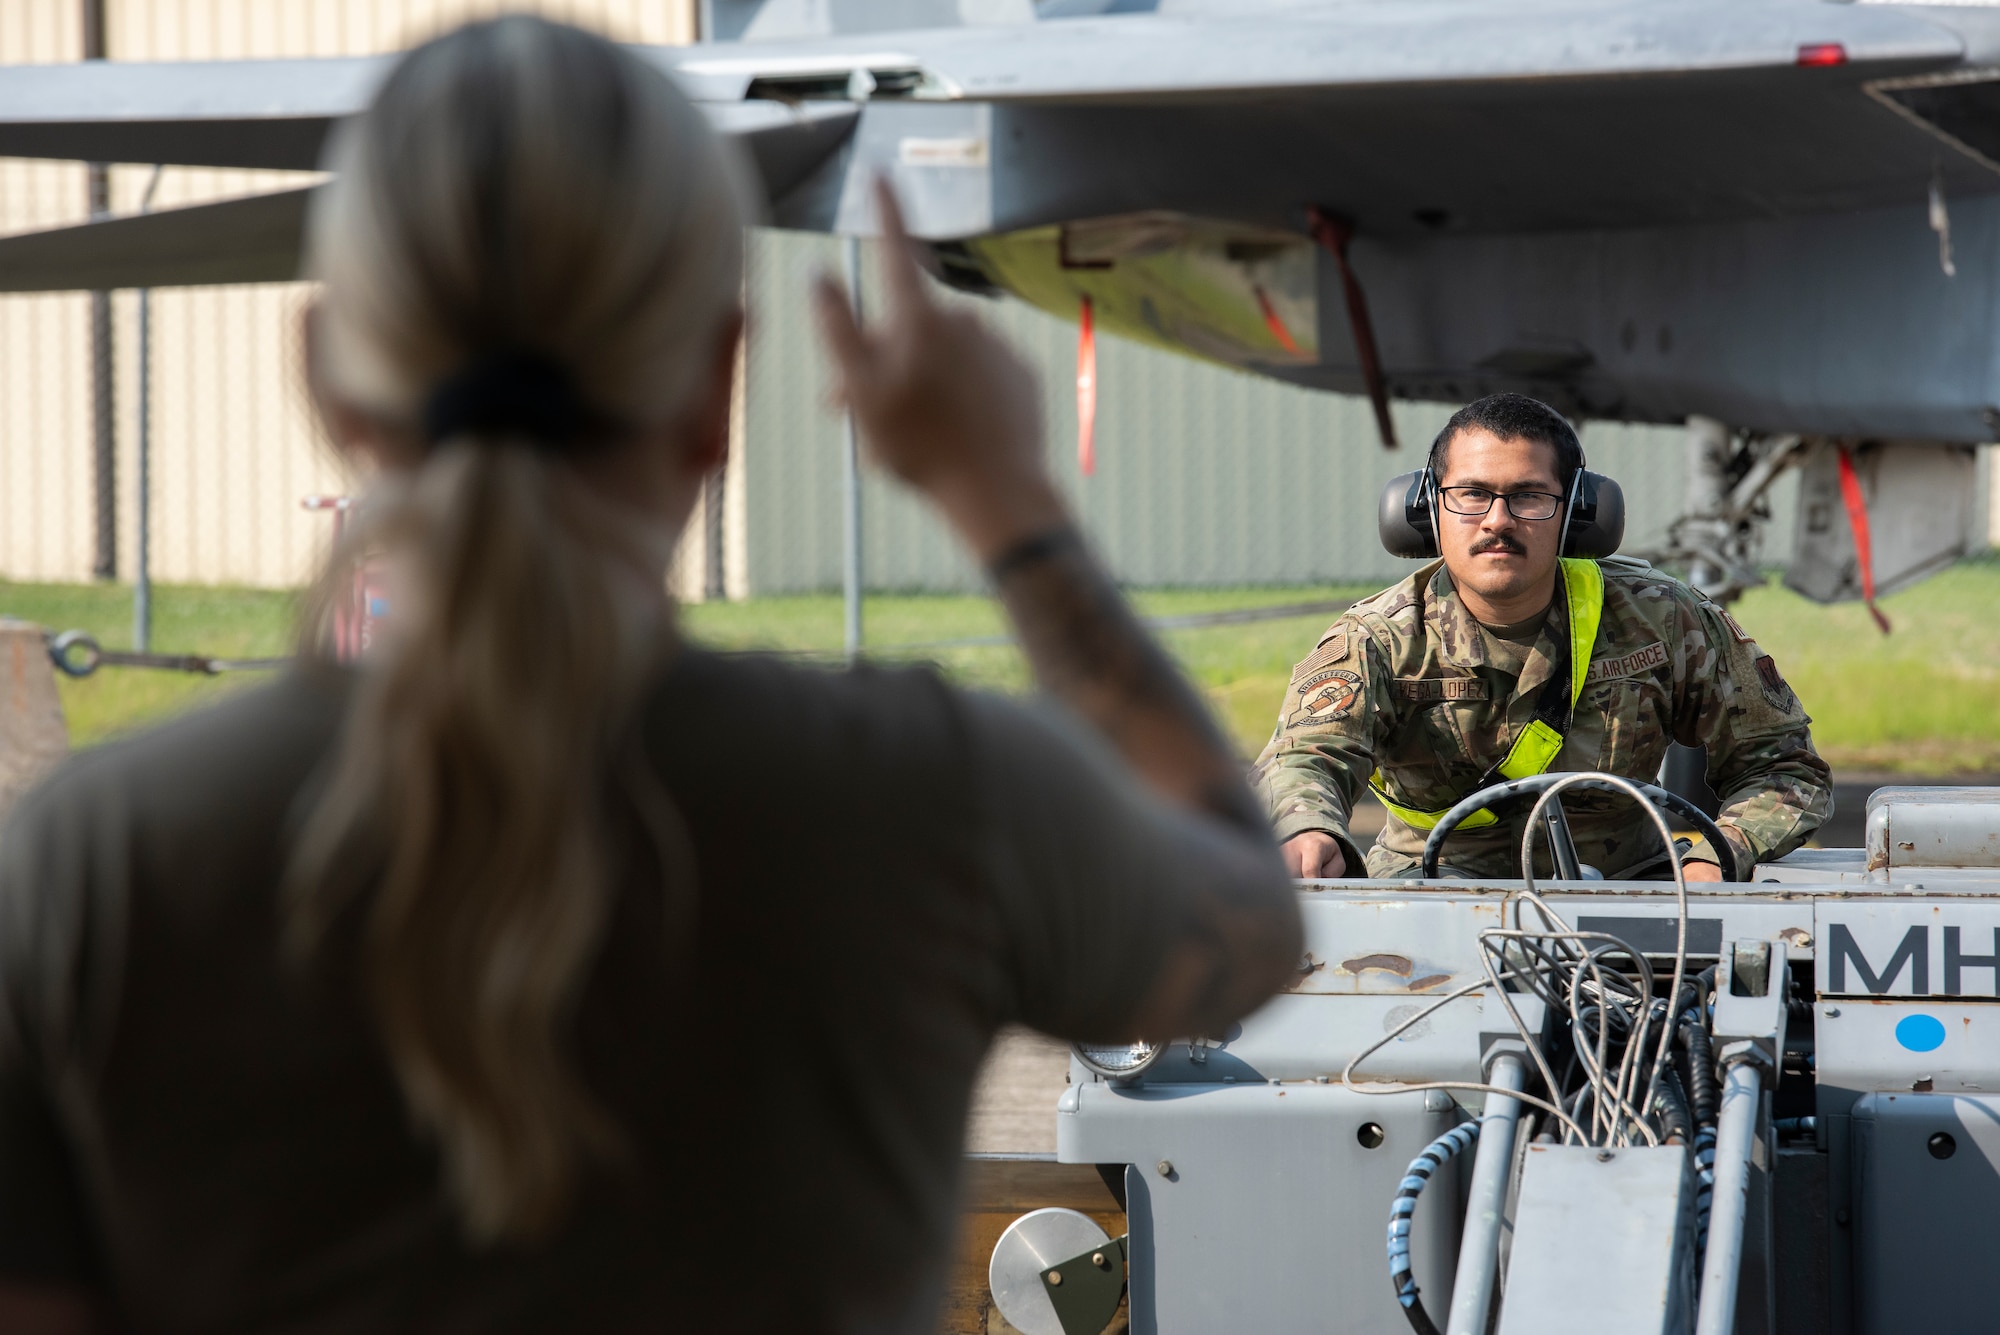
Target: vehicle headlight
<point>1118,1061</point>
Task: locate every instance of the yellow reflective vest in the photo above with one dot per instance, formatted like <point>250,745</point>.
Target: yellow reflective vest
<point>1538,744</point>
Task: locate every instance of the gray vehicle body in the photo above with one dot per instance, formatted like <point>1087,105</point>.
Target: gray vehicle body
<point>1860,1193</point>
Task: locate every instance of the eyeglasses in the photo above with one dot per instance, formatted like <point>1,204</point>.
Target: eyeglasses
<point>1520,504</point>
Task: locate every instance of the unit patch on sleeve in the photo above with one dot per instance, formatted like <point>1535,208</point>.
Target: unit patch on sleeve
<point>1326,696</point>
<point>1777,691</point>
<point>1627,665</point>
<point>1432,690</point>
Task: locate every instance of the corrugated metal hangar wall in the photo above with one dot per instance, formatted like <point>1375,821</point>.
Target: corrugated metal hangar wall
<point>1204,475</point>
<point>234,445</point>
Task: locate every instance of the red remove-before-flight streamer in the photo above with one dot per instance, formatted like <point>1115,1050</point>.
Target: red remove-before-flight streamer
<point>1086,391</point>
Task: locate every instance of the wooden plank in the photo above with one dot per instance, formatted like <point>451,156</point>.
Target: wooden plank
<point>968,1303</point>
<point>1003,1183</point>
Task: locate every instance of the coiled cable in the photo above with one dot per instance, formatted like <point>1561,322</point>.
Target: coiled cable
<point>1435,1156</point>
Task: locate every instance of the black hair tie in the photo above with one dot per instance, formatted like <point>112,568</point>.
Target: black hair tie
<point>508,393</point>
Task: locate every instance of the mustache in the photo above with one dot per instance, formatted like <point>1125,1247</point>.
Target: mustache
<point>1498,543</point>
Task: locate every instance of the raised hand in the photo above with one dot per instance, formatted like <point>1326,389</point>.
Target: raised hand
<point>941,401</point>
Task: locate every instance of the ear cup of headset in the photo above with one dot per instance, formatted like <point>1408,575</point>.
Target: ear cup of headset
<point>1595,529</point>
<point>1597,525</point>
<point>1403,519</point>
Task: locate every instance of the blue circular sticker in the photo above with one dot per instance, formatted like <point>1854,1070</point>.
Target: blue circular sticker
<point>1920,1033</point>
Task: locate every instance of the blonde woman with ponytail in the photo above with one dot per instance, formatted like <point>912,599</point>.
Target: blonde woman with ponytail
<point>542,971</point>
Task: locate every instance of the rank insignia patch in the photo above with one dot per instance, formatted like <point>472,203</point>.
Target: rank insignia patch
<point>1326,696</point>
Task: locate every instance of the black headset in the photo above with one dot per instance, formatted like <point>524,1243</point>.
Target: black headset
<point>1593,519</point>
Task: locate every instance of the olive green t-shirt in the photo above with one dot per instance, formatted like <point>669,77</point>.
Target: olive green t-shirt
<point>889,870</point>
<point>1508,647</point>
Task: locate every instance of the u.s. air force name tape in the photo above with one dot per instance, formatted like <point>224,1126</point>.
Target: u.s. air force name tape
<point>1627,665</point>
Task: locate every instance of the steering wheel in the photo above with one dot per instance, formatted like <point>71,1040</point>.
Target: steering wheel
<point>1531,786</point>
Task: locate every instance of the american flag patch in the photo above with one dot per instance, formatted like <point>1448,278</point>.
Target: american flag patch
<point>1331,650</point>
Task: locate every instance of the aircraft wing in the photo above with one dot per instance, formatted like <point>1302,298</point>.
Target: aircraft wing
<point>277,113</point>
<point>1228,50</point>
<point>1406,118</point>
<point>259,238</point>
<point>227,113</point>
<point>173,247</point>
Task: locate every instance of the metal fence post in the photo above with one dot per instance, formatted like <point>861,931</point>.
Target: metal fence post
<point>850,488</point>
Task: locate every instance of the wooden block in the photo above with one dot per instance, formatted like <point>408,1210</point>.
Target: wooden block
<point>32,735</point>
<point>1000,1189</point>
<point>1013,1184</point>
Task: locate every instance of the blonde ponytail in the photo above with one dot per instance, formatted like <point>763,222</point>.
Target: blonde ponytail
<point>505,193</point>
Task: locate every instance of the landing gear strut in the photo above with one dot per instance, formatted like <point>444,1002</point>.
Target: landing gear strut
<point>1719,538</point>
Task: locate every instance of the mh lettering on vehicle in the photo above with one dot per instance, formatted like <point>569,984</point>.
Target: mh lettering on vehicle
<point>1912,954</point>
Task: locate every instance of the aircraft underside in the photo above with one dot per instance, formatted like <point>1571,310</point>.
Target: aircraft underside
<point>1840,325</point>
<point>1774,221</point>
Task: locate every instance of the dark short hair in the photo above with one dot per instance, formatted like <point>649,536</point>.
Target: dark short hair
<point>1515,417</point>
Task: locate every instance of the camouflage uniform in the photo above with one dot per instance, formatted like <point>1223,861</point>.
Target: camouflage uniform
<point>1406,681</point>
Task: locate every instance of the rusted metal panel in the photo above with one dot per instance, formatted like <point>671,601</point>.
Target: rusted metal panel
<point>1390,946</point>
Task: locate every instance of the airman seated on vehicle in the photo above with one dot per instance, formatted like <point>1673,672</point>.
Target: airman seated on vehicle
<point>1462,675</point>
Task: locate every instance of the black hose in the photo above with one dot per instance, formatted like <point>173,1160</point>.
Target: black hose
<point>1670,1101</point>
<point>1704,1098</point>
<point>1683,1071</point>
<point>1694,992</point>
<point>1435,1156</point>
<point>1533,785</point>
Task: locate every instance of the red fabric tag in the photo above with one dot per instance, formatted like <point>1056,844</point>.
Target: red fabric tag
<point>1857,519</point>
<point>1086,391</point>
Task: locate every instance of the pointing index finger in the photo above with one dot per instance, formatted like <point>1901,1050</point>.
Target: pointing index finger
<point>903,275</point>
<point>838,327</point>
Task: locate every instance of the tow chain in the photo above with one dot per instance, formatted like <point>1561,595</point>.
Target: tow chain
<point>78,654</point>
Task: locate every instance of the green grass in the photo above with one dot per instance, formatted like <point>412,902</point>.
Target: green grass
<point>1923,700</point>
<point>1243,669</point>
<point>1920,701</point>
<point>218,622</point>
